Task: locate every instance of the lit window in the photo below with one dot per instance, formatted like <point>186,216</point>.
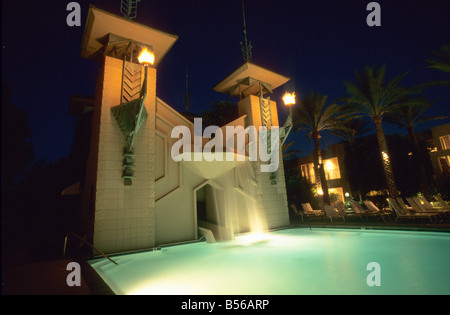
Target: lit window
<point>444,163</point>
<point>337,191</point>
<point>445,142</point>
<point>308,172</point>
<point>331,167</point>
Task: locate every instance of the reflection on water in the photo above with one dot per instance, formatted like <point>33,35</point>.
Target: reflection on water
<point>292,261</point>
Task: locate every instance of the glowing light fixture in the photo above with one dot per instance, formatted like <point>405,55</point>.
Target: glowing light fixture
<point>289,99</point>
<point>146,57</point>
<point>385,157</point>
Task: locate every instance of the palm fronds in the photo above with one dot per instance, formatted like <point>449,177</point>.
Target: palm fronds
<point>369,95</point>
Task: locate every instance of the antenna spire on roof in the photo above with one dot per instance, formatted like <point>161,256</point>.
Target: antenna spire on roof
<point>129,8</point>
<point>247,45</point>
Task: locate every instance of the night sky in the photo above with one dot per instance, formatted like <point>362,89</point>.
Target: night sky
<point>318,44</point>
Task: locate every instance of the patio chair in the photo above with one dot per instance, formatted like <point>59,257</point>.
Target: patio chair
<point>307,209</point>
<point>340,207</point>
<point>442,202</point>
<point>403,212</point>
<point>359,211</point>
<point>400,214</point>
<point>331,213</point>
<point>425,204</point>
<point>296,212</point>
<point>373,209</point>
<point>342,210</point>
<point>402,203</point>
<point>419,207</point>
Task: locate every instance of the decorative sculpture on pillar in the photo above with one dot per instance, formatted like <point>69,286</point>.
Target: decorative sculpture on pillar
<point>132,114</point>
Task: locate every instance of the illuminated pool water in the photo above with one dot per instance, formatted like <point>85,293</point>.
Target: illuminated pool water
<point>291,261</point>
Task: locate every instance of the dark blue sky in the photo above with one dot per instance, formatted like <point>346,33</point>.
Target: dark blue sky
<point>318,44</point>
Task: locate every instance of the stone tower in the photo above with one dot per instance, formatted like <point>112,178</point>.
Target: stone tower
<point>251,83</point>
<point>118,203</point>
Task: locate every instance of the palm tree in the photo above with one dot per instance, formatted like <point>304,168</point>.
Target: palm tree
<point>442,63</point>
<point>351,129</point>
<point>370,96</point>
<point>289,153</point>
<point>313,116</point>
<point>409,117</point>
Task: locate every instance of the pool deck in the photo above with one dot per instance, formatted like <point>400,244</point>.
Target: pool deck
<point>49,277</point>
<point>372,223</point>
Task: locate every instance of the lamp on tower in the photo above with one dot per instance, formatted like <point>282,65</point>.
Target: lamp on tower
<point>289,100</point>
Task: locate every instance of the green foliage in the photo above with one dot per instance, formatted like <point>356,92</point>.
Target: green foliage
<point>369,95</point>
<point>315,117</point>
<point>334,197</point>
<point>351,129</point>
<point>409,117</point>
<point>442,62</point>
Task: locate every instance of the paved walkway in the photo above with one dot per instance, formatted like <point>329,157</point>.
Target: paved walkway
<point>43,278</point>
<point>356,222</point>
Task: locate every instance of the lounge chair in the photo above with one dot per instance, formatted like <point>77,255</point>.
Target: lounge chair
<point>342,210</point>
<point>359,211</point>
<point>425,206</point>
<point>416,210</point>
<point>400,214</point>
<point>401,203</point>
<point>403,212</point>
<point>423,202</point>
<point>307,209</point>
<point>373,209</point>
<point>419,207</point>
<point>340,207</point>
<point>442,203</point>
<point>331,213</point>
<point>303,214</point>
<point>296,212</point>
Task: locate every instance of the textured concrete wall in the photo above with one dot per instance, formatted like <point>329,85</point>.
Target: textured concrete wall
<point>250,106</point>
<point>272,199</point>
<point>123,216</point>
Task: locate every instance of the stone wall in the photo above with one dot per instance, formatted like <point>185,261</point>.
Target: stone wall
<point>121,217</point>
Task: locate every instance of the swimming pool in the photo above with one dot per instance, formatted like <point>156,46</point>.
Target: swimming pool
<point>290,261</point>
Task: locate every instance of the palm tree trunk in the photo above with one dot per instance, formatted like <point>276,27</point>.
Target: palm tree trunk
<point>319,171</point>
<point>390,180</point>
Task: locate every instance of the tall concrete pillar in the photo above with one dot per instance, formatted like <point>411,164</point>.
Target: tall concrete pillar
<point>251,83</point>
<point>119,213</point>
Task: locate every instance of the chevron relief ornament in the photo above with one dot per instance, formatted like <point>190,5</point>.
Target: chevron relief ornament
<point>266,113</point>
<point>131,113</point>
<point>131,82</point>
